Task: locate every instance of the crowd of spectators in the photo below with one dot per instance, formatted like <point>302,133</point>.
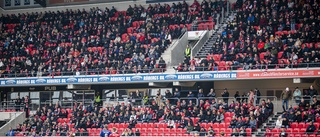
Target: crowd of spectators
<point>104,41</point>
<point>265,34</point>
<point>304,115</point>
<point>189,115</point>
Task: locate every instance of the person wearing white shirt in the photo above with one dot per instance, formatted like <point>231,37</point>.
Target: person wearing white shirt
<point>171,124</point>
<point>279,122</point>
<point>77,73</point>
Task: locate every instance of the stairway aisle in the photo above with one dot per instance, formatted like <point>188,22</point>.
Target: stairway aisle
<point>271,123</point>
<point>205,50</point>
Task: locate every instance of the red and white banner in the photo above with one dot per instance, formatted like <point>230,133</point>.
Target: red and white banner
<point>278,74</point>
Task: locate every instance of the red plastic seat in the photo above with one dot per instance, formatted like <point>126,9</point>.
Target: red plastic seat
<point>162,125</point>
<point>228,130</point>
<point>150,130</point>
<point>222,125</point>
<point>144,125</point>
<point>249,131</point>
<point>215,125</point>
<point>301,125</point>
<point>289,130</point>
<point>302,130</point>
<point>294,125</point>
<point>138,125</point>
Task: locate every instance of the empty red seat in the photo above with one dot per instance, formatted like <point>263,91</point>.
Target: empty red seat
<point>301,125</point>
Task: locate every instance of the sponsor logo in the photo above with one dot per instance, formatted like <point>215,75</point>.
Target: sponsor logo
<point>136,78</point>
<point>41,81</point>
<point>205,76</point>
<point>10,82</point>
<point>170,77</point>
<point>71,80</point>
<point>104,79</point>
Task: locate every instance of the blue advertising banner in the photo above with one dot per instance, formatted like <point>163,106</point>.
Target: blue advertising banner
<point>94,79</point>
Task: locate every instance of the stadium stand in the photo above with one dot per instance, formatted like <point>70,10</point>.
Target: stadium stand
<point>300,120</point>
<point>271,34</point>
<point>264,34</point>
<point>155,117</point>
<point>99,41</point>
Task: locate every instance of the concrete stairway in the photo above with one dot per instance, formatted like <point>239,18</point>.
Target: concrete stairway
<point>205,50</point>
<point>271,123</point>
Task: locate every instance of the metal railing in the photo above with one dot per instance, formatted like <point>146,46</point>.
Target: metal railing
<point>238,66</point>
<point>233,67</point>
<point>295,101</point>
<point>11,106</point>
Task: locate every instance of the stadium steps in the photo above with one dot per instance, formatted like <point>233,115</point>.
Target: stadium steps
<point>205,50</point>
<point>271,123</point>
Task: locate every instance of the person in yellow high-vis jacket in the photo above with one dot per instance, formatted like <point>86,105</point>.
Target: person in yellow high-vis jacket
<point>187,51</point>
<point>97,99</point>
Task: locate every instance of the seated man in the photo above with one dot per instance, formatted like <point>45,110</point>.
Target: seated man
<point>311,128</point>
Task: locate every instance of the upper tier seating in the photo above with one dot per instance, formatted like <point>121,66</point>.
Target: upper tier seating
<point>271,34</point>
<point>98,41</point>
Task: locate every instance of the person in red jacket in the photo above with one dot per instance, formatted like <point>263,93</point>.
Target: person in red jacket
<point>268,132</point>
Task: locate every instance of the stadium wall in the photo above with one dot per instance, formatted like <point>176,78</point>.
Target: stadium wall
<point>177,51</point>
<point>15,117</point>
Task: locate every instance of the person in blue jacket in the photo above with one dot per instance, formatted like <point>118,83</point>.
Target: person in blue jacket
<point>10,132</point>
<point>105,132</point>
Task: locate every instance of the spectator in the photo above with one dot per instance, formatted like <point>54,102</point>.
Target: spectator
<point>312,91</point>
<point>220,117</point>
<point>225,95</point>
<point>285,96</point>
<point>285,122</point>
<point>212,93</point>
<point>283,133</point>
<point>234,133</point>
<point>176,93</point>
<point>237,96</point>
<point>268,132</point>
<point>297,95</point>
<point>105,132</point>
<point>18,103</point>
<point>242,132</point>
<point>200,93</point>
<point>310,129</point>
<point>279,122</point>
<point>137,133</point>
<point>258,94</point>
<point>189,128</point>
<point>10,132</point>
<point>253,123</point>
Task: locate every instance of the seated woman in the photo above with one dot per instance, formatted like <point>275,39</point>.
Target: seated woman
<point>252,123</point>
<point>189,127</point>
<point>220,117</point>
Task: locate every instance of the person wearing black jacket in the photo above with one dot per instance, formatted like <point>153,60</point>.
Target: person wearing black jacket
<point>283,133</point>
<point>310,129</point>
<point>233,123</point>
<point>225,95</point>
<point>312,91</point>
<point>18,102</point>
<point>258,94</point>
